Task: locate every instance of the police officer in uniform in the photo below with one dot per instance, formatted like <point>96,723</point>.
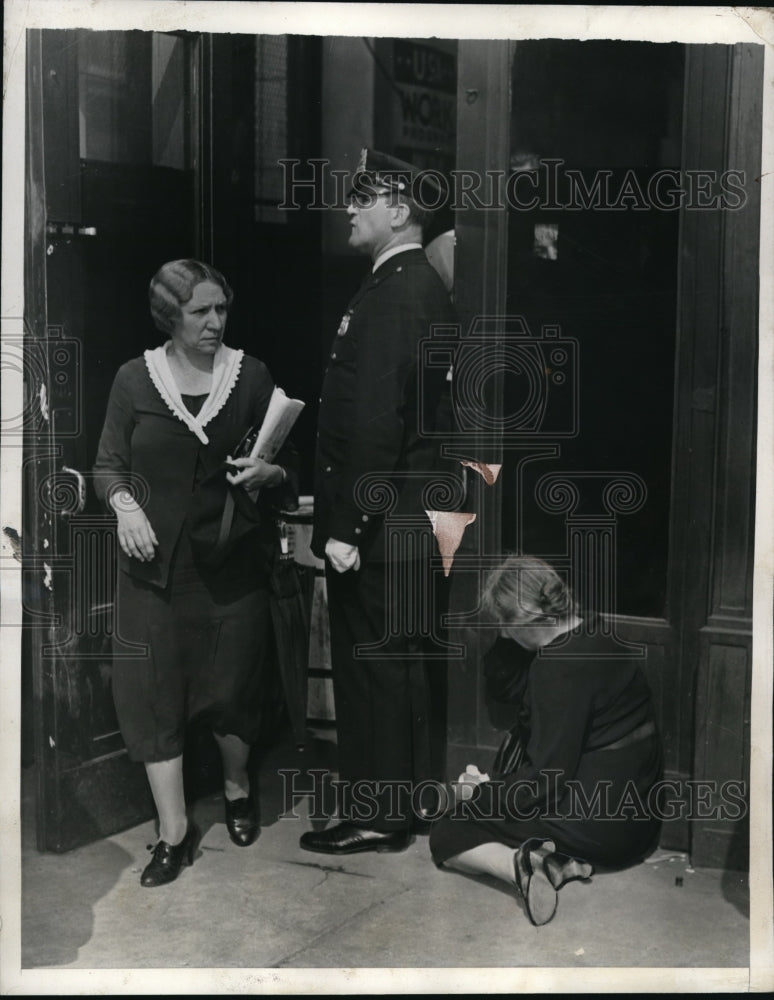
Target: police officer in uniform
<point>371,432</point>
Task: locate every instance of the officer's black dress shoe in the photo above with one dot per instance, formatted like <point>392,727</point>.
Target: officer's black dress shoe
<point>344,838</point>
<point>242,820</point>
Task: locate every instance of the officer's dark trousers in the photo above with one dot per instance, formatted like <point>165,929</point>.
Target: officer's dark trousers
<point>390,699</point>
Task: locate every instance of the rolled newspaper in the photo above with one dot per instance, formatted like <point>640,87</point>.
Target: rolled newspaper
<point>281,414</point>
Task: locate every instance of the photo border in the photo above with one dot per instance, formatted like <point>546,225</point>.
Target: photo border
<point>699,25</point>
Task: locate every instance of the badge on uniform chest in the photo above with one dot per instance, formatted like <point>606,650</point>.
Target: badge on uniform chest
<point>344,324</point>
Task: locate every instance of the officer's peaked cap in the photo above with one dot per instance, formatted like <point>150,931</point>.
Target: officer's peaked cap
<point>379,171</point>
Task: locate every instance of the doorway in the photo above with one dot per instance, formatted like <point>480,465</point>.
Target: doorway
<point>595,262</point>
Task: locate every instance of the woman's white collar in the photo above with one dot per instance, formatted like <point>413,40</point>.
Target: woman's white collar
<point>225,372</point>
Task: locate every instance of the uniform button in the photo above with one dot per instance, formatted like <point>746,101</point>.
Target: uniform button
<point>327,468</point>
<point>333,357</point>
<point>357,531</point>
<point>365,517</point>
<point>399,268</point>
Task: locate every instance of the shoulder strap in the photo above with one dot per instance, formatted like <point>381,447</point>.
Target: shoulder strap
<point>226,521</point>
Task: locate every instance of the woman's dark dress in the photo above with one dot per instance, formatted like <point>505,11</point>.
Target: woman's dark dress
<point>575,699</point>
<point>205,636</point>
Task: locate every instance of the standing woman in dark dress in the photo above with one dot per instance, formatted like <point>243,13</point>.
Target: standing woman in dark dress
<point>202,634</point>
<point>584,789</point>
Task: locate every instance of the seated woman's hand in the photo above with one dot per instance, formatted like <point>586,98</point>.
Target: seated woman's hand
<point>467,781</point>
<point>252,473</point>
<point>135,534</point>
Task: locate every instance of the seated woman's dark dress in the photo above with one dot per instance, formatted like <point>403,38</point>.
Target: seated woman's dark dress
<point>592,755</point>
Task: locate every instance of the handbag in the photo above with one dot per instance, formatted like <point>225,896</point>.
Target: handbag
<point>510,755</point>
<point>221,517</point>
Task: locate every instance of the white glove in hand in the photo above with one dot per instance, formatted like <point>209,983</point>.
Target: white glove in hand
<point>342,556</point>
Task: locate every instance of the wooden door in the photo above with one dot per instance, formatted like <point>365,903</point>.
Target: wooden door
<point>113,191</point>
<point>657,311</point>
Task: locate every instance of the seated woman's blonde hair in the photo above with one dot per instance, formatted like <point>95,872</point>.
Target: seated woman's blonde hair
<point>525,590</point>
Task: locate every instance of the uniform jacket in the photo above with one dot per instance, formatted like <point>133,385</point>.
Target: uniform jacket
<point>374,390</point>
<point>146,447</point>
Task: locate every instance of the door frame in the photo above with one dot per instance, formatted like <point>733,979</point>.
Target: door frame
<point>715,439</point>
<point>117,789</point>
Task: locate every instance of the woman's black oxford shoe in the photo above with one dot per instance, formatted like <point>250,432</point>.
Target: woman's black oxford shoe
<point>242,820</point>
<point>168,859</point>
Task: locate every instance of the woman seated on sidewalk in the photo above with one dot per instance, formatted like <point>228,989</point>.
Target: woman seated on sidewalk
<point>584,759</point>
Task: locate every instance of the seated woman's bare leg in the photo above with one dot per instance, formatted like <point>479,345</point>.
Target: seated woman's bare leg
<point>487,859</point>
<point>502,862</point>
<point>235,752</point>
<point>166,781</point>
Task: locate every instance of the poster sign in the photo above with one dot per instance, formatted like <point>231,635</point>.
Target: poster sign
<point>425,106</point>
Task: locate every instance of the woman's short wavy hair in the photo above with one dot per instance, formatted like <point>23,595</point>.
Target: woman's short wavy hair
<point>525,590</point>
<point>172,286</point>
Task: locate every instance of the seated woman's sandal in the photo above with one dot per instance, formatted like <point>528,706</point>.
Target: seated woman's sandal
<point>536,888</point>
<point>561,869</point>
<point>540,873</point>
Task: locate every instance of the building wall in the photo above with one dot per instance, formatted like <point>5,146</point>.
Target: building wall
<point>348,83</point>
